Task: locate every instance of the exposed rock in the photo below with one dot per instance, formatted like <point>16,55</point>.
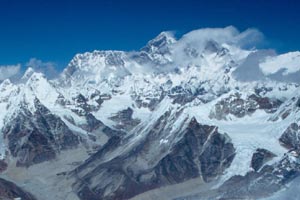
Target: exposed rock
<point>201,145</point>
<point>298,103</point>
<point>234,105</point>
<point>92,123</point>
<point>98,133</point>
<point>183,97</point>
<point>201,152</point>
<point>286,114</point>
<point>291,137</point>
<point>156,50</point>
<point>262,90</point>
<point>260,157</point>
<point>82,107</point>
<point>37,137</point>
<point>10,191</point>
<point>124,119</point>
<point>239,107</point>
<point>265,103</point>
<point>62,101</point>
<point>150,103</point>
<point>3,166</point>
<point>114,59</point>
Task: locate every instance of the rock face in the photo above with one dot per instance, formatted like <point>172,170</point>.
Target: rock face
<point>234,105</point>
<point>9,190</point>
<point>260,157</point>
<point>124,119</point>
<point>240,107</point>
<point>37,137</point>
<point>82,107</point>
<point>291,137</point>
<point>157,50</point>
<point>3,166</point>
<point>211,150</point>
<point>201,152</point>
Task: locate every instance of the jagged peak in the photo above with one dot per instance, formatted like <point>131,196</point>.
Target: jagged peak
<point>36,76</point>
<point>212,46</point>
<point>5,82</point>
<point>167,36</point>
<point>5,85</point>
<point>27,74</point>
<point>88,60</point>
<point>97,53</point>
<point>161,41</point>
<point>31,76</point>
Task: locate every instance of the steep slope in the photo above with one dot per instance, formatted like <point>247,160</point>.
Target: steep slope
<point>200,151</point>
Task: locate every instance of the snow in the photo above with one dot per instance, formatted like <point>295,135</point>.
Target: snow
<point>42,89</point>
<point>111,107</point>
<point>289,62</point>
<point>163,141</point>
<point>247,134</point>
<point>28,73</point>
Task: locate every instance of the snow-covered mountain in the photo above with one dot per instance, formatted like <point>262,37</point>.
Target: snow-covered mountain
<point>199,117</point>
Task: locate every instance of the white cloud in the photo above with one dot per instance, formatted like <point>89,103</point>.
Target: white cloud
<point>249,38</point>
<point>287,63</point>
<point>196,41</point>
<point>9,71</point>
<point>229,35</point>
<point>47,68</point>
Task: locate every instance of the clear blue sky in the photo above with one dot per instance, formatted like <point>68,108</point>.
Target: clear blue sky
<point>55,30</point>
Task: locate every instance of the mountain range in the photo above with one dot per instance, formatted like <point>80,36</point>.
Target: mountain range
<point>200,117</point>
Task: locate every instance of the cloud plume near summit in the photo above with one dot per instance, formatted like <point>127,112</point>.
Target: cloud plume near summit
<point>8,71</point>
<point>166,53</point>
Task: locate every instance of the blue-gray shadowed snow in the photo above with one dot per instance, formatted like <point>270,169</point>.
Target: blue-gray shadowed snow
<point>291,192</point>
<point>280,76</point>
<point>201,116</point>
<point>249,70</point>
<point>252,68</point>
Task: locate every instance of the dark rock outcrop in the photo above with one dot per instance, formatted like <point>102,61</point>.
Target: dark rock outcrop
<point>10,191</point>
<point>291,137</point>
<point>260,157</point>
<point>3,166</point>
<point>92,123</point>
<point>201,145</point>
<point>265,103</point>
<point>298,103</point>
<point>234,105</point>
<point>82,106</point>
<point>200,151</point>
<point>124,119</point>
<point>239,107</point>
<point>37,137</point>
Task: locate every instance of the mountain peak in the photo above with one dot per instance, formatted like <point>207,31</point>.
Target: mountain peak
<point>5,84</point>
<point>161,41</point>
<point>28,73</point>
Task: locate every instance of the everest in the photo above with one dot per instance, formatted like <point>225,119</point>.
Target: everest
<point>199,117</point>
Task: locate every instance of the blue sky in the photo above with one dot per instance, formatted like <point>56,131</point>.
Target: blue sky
<point>54,31</point>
